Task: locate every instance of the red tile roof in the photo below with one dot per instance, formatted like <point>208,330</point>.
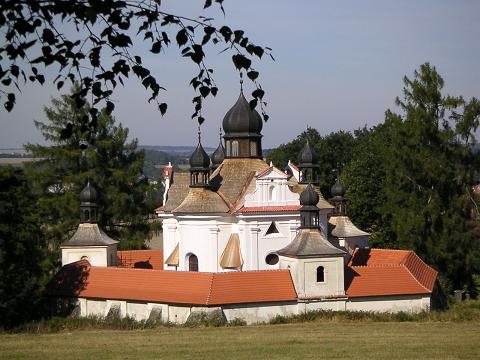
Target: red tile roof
<point>260,209</point>
<point>160,209</point>
<point>143,259</point>
<point>381,272</point>
<point>176,287</point>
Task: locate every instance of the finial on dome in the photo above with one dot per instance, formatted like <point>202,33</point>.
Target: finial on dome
<point>241,81</point>
<point>199,134</point>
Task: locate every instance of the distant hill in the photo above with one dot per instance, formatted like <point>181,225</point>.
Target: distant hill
<point>175,150</point>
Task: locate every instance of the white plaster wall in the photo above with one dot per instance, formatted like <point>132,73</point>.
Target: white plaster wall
<point>393,304</point>
<point>256,313</point>
<point>330,304</point>
<point>137,311</point>
<point>178,314</point>
<point>94,307</point>
<point>304,276</point>
<point>256,245</point>
<point>206,237</point>
<point>96,255</point>
<point>334,278</point>
<point>170,238</point>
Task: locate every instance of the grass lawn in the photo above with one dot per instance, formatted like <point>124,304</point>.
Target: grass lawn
<point>310,340</point>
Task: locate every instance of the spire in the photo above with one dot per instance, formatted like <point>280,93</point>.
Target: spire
<point>307,160</point>
<point>338,198</point>
<point>88,204</point>
<point>199,165</point>
<point>241,82</point>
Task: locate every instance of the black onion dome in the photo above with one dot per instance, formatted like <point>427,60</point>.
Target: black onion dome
<point>199,158</point>
<point>309,196</point>
<point>88,194</point>
<point>218,155</point>
<point>241,119</point>
<point>307,155</point>
<point>338,189</point>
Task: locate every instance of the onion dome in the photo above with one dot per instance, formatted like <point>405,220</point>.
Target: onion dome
<point>218,155</point>
<point>242,119</point>
<point>307,155</point>
<point>88,194</point>
<point>309,196</point>
<point>338,190</point>
<point>199,158</point>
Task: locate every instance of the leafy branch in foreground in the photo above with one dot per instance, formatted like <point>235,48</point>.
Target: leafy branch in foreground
<point>101,53</point>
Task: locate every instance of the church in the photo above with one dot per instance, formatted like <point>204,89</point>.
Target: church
<point>243,239</point>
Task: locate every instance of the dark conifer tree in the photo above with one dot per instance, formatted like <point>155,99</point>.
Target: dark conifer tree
<point>101,154</point>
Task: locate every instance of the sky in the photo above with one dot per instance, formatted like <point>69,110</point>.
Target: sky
<point>338,66</point>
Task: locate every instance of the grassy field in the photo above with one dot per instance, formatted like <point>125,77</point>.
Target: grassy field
<point>310,340</point>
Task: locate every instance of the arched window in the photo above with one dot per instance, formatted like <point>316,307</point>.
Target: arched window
<point>193,263</point>
<point>235,148</point>
<point>320,274</point>
<point>272,194</point>
<point>271,259</point>
<point>87,215</point>
<point>228,145</point>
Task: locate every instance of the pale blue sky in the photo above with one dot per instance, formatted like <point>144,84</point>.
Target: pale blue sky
<point>339,65</point>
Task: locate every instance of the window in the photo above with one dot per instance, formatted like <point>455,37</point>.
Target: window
<point>272,229</point>
<point>228,146</point>
<point>320,274</point>
<point>271,259</point>
<point>253,149</point>
<point>235,148</point>
<point>272,194</point>
<point>192,263</point>
<point>87,215</point>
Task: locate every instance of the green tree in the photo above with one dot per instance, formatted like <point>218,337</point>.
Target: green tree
<point>23,265</point>
<point>109,161</point>
<point>428,177</point>
<point>364,178</point>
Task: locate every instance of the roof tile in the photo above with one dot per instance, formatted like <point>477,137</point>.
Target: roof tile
<point>176,287</point>
<point>140,259</point>
<point>382,272</point>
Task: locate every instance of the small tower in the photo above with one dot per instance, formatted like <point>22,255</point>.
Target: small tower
<point>338,199</point>
<point>199,166</point>
<point>316,266</point>
<point>307,163</point>
<point>218,155</point>
<point>89,241</point>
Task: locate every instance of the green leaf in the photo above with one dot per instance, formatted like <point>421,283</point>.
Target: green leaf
<point>163,108</point>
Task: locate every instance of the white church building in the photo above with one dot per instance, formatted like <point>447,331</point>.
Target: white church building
<point>244,239</point>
